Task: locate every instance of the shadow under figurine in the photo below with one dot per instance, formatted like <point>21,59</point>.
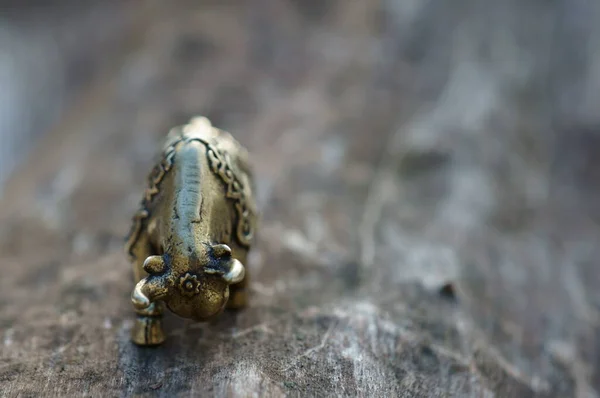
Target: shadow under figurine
<point>190,238</point>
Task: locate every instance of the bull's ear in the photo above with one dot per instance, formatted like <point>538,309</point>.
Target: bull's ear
<point>154,265</point>
<point>221,250</point>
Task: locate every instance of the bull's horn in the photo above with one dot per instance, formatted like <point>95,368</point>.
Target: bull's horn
<point>236,272</point>
<point>147,291</point>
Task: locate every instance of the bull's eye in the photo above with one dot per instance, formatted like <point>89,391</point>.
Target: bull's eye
<point>189,285</point>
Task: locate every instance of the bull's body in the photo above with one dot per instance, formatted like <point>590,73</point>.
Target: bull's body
<point>193,230</point>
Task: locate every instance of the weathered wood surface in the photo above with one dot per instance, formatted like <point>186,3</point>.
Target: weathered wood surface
<point>429,207</point>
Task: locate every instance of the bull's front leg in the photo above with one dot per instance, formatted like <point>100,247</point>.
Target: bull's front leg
<point>147,326</point>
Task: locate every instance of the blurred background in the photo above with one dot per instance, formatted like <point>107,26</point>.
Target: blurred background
<point>515,61</point>
<point>50,52</point>
<point>427,174</point>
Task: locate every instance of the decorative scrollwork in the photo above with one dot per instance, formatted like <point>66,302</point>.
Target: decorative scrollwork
<point>155,178</point>
<point>220,165</point>
<point>189,285</point>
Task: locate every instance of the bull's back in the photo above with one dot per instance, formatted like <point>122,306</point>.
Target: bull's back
<point>203,183</point>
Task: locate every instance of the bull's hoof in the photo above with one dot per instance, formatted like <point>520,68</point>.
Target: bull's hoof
<point>148,331</point>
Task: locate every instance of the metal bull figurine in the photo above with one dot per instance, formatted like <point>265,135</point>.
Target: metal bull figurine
<point>190,238</point>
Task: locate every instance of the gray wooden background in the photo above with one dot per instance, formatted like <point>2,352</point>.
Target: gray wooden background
<point>427,175</point>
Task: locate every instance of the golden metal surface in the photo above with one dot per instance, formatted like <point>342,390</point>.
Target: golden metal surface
<point>190,238</point>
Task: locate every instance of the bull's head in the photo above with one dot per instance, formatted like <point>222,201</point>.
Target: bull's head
<point>192,286</point>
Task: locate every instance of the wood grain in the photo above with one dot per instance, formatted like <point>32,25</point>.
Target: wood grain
<point>429,228</point>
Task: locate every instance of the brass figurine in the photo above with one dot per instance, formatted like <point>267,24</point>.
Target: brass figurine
<point>190,238</point>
